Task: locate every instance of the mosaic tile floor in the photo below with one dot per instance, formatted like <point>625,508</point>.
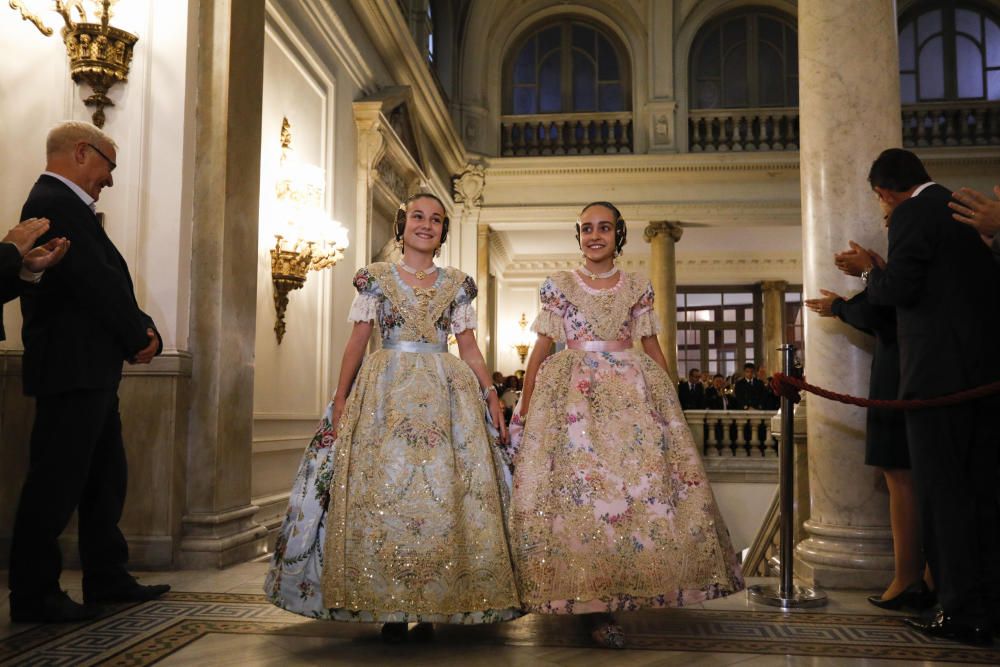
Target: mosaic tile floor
<point>218,618</point>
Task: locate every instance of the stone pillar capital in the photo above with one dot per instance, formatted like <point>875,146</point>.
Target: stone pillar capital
<point>666,228</point>
<point>773,285</point>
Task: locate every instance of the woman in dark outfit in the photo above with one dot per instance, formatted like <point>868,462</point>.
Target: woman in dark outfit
<point>886,447</point>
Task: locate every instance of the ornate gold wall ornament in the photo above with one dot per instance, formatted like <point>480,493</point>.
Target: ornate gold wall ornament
<point>306,239</point>
<point>99,54</point>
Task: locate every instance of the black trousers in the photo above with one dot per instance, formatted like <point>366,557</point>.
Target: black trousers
<point>955,464</point>
<point>77,462</point>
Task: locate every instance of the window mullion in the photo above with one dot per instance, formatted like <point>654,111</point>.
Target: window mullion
<point>566,54</point>
<point>753,96</point>
<point>949,45</point>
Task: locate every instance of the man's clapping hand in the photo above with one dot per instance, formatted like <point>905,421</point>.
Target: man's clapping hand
<point>977,210</point>
<point>857,260</point>
<point>24,234</point>
<point>46,256</point>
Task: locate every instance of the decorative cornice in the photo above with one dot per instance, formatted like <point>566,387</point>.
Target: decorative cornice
<point>700,269</point>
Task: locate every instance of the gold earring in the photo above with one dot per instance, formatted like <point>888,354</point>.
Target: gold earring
<point>399,244</point>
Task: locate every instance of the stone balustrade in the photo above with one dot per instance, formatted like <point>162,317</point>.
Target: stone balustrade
<point>719,130</point>
<point>777,129</point>
<point>951,124</point>
<point>566,134</point>
<point>733,433</point>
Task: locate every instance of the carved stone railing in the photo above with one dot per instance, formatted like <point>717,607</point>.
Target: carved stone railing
<point>566,134</point>
<point>733,433</point>
<point>771,129</point>
<point>777,129</point>
<point>951,124</point>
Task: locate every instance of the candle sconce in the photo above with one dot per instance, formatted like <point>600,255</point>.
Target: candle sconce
<point>99,54</point>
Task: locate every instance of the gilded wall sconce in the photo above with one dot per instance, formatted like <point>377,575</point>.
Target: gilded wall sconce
<point>522,339</point>
<point>306,239</point>
<point>99,54</point>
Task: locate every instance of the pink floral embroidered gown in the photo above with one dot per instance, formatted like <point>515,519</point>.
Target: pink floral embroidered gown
<point>611,509</point>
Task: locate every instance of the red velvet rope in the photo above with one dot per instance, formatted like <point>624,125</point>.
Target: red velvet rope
<point>789,387</point>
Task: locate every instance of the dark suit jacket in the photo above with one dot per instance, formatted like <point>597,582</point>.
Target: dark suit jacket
<point>81,322</point>
<point>10,283</point>
<point>714,400</point>
<point>943,281</point>
<point>748,393</point>
<point>692,397</point>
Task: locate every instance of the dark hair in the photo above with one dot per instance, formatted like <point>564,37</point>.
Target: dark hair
<point>719,375</point>
<point>400,222</point>
<point>749,364</point>
<point>621,232</point>
<point>694,370</point>
<point>897,170</point>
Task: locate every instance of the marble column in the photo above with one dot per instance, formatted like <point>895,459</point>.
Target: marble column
<point>483,333</point>
<point>218,523</point>
<point>849,112</point>
<point>468,189</point>
<point>662,236</point>
<point>773,297</point>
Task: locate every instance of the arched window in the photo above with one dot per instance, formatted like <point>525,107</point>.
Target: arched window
<point>747,58</point>
<point>949,51</point>
<point>567,66</point>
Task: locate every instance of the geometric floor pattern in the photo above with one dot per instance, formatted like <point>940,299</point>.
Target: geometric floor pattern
<point>151,632</point>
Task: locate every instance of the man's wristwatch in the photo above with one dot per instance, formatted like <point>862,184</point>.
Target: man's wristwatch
<point>864,275</point>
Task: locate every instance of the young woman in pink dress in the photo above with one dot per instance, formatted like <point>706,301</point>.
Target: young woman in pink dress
<point>611,509</point>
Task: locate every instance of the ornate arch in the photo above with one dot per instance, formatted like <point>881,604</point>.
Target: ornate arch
<point>489,23</point>
<point>702,14</point>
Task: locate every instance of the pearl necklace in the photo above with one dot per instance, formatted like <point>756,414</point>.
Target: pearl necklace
<point>598,276</point>
<point>419,273</point>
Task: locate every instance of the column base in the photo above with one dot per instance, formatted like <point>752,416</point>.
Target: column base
<point>222,539</point>
<point>845,557</point>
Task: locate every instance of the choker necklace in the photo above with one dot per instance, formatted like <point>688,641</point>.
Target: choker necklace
<point>598,276</point>
<point>419,273</point>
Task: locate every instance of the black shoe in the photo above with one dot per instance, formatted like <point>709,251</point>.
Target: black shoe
<point>131,592</point>
<point>394,633</point>
<point>55,607</point>
<point>916,596</point>
<point>422,632</point>
<point>945,627</point>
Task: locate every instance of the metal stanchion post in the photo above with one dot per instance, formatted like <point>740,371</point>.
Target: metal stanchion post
<point>786,594</point>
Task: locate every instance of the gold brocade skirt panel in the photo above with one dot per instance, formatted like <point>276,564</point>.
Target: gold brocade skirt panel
<point>611,508</point>
<point>416,510</point>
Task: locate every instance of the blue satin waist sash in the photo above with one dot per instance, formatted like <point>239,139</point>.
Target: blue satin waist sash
<point>414,346</point>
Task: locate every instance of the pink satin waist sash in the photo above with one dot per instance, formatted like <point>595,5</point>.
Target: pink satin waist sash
<point>600,345</point>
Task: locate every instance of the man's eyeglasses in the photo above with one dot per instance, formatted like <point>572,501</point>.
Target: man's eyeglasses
<point>111,163</point>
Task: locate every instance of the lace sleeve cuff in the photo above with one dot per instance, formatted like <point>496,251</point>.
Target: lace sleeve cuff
<point>549,324</point>
<point>364,308</point>
<point>463,317</point>
<point>645,324</point>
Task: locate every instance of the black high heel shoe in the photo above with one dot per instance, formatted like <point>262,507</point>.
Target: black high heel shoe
<point>916,596</point>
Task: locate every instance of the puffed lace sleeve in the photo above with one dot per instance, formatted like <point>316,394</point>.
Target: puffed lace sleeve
<point>644,319</point>
<point>550,318</point>
<point>463,315</point>
<point>365,306</point>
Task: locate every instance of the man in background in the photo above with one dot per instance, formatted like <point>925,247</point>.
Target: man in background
<point>691,392</point>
